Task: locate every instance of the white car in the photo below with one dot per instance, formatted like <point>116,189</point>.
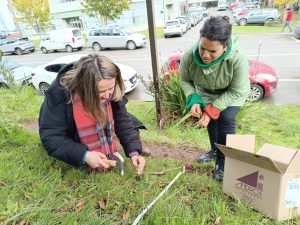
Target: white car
<point>20,75</point>
<point>44,75</point>
<point>174,27</point>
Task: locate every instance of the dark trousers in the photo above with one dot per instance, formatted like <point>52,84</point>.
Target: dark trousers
<point>218,129</point>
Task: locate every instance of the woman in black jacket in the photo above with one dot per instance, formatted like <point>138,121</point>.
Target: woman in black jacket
<point>84,113</point>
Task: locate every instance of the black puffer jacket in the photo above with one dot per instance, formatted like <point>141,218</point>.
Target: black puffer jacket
<point>58,131</point>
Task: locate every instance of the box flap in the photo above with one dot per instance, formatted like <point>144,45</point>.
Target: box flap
<point>251,158</point>
<point>242,142</point>
<point>294,166</point>
<point>281,156</point>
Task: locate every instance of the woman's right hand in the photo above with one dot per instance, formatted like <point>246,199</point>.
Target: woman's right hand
<point>94,160</point>
<point>196,111</point>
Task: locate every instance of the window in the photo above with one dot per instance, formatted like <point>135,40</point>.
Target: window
<point>74,22</point>
<point>105,32</point>
<point>54,68</point>
<point>76,33</point>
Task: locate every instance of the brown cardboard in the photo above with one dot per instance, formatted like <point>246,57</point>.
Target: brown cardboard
<point>268,180</point>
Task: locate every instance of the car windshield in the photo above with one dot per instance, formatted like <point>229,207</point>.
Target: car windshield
<point>171,23</point>
<point>23,39</point>
<point>9,64</point>
<point>126,30</point>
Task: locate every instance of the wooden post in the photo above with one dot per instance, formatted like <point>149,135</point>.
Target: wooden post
<point>154,60</point>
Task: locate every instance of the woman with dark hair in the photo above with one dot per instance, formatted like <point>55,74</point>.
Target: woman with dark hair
<point>84,113</point>
<point>214,77</point>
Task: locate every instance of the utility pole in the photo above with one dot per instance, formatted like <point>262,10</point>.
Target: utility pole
<point>154,60</point>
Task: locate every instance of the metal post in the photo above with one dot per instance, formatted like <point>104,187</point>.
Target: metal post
<point>154,60</point>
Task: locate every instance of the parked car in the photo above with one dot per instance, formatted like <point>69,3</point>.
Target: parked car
<point>186,21</point>
<point>44,75</point>
<point>16,45</point>
<point>297,30</point>
<point>258,16</point>
<point>174,27</point>
<point>262,77</point>
<point>21,75</point>
<point>222,5</point>
<point>66,39</point>
<point>115,37</point>
<point>3,34</point>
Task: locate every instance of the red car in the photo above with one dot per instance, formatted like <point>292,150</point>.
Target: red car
<point>262,77</point>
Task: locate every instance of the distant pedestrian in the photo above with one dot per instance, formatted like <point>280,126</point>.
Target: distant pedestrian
<point>288,18</point>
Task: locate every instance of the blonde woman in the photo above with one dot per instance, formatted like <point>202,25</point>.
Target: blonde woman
<point>84,115</point>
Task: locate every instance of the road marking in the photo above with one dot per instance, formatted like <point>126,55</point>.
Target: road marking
<point>295,39</point>
<point>289,80</point>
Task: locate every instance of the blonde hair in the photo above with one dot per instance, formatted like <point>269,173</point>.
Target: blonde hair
<point>83,80</point>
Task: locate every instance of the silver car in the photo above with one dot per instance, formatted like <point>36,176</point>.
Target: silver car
<point>114,37</point>
<point>12,72</point>
<point>297,30</point>
<point>258,16</point>
<point>16,45</point>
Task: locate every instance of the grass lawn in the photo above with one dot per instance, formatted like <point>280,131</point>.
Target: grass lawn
<point>159,32</point>
<point>37,189</point>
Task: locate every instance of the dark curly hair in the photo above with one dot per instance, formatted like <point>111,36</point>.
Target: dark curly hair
<point>217,28</point>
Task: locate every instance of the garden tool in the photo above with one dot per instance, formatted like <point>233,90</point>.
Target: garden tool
<point>119,163</point>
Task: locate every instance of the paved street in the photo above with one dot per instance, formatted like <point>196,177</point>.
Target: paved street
<point>281,51</point>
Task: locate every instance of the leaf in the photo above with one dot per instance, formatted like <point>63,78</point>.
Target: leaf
<point>79,206</point>
<point>217,221</point>
<point>125,215</point>
<point>101,203</point>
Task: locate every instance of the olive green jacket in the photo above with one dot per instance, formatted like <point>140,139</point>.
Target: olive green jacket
<point>224,84</point>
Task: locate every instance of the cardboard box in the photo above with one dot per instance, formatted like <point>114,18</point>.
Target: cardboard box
<point>268,180</point>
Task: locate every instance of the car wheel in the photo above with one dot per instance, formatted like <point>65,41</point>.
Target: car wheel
<point>69,48</point>
<point>256,93</point>
<point>44,50</point>
<point>97,47</point>
<point>243,22</point>
<point>18,51</point>
<point>131,45</point>
<point>166,36</point>
<point>270,20</point>
<point>32,50</point>
<point>180,35</point>
<point>43,87</point>
<point>79,48</point>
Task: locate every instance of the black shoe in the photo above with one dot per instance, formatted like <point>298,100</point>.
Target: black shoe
<point>209,156</point>
<point>218,175</point>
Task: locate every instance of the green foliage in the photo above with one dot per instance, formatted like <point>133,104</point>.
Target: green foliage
<point>172,95</point>
<point>108,10</point>
<point>34,12</point>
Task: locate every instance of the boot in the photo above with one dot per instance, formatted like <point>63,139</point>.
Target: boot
<point>209,156</point>
<point>218,174</point>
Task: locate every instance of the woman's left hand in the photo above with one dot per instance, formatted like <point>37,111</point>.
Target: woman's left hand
<point>139,163</point>
<point>204,120</point>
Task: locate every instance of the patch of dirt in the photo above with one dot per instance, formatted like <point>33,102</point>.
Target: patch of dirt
<point>157,150</point>
<point>180,152</point>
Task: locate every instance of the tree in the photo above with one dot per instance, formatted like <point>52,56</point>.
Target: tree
<point>33,12</point>
<point>284,2</point>
<point>108,10</point>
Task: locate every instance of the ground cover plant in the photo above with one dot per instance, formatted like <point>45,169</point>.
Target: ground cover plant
<point>36,189</point>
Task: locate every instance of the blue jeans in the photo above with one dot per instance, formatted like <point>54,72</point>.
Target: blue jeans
<point>218,129</point>
<point>287,24</point>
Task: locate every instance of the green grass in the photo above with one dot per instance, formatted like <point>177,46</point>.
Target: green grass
<point>159,32</point>
<point>36,43</point>
<point>37,189</point>
<point>271,28</point>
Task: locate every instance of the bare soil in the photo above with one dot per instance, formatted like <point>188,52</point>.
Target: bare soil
<point>157,150</point>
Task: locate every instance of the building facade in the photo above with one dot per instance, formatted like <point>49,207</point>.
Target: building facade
<point>6,17</point>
